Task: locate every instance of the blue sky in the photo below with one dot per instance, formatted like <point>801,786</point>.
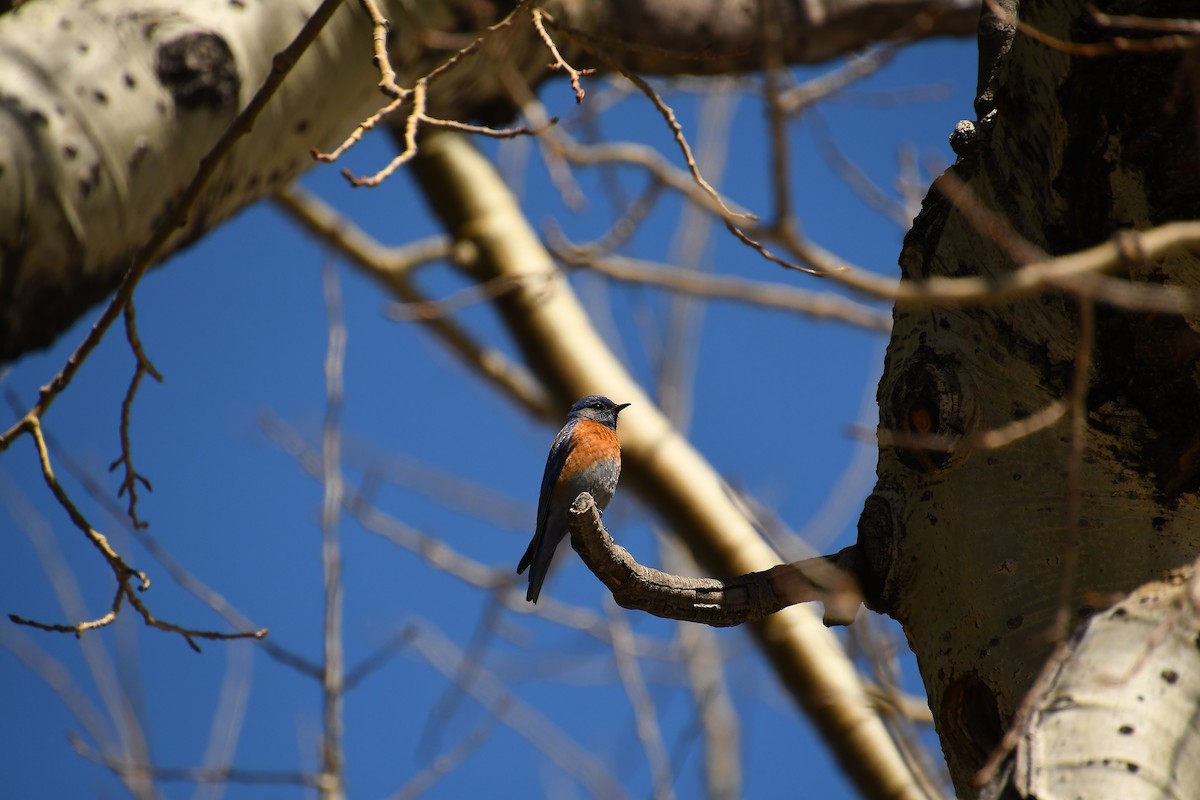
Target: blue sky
<point>237,325</point>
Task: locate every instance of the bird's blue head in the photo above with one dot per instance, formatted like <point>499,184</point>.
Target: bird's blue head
<point>599,408</point>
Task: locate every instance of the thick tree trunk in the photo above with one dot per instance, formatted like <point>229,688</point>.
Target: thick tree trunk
<point>108,106</point>
<point>969,550</point>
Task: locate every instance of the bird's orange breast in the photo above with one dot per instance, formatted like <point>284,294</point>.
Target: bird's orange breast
<point>592,442</point>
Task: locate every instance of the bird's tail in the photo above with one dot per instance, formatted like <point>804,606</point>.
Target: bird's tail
<point>537,575</point>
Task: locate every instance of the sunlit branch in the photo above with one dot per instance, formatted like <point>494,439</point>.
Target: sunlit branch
<point>784,297</point>
<point>1077,272</point>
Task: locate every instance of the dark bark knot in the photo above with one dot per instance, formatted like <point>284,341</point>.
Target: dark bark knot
<point>879,537</point>
<point>929,408</point>
<point>969,719</point>
<point>199,71</point>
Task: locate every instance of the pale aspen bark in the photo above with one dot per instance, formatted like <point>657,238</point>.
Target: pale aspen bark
<point>1119,717</point>
<point>109,107</point>
<point>969,551</point>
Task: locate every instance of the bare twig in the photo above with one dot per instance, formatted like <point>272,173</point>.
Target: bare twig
<point>443,765</point>
<point>176,571</point>
<point>249,777</point>
<point>377,659</point>
<point>990,439</point>
<point>854,176</point>
<point>820,305</point>
<point>718,719</point>
<point>645,718</point>
<point>1075,272</point>
<point>144,367</point>
<point>58,677</point>
<point>333,673</point>
<point>988,774</point>
<point>1116,44</point>
<point>474,655</point>
<point>802,96</point>
<point>416,97</point>
<point>1078,414</point>
<point>559,62</point>
<point>228,716</point>
<point>427,310</point>
<point>668,115</point>
<point>591,772</point>
<point>379,31</point>
<point>774,74</point>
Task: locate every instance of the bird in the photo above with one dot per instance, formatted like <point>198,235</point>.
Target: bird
<point>585,457</point>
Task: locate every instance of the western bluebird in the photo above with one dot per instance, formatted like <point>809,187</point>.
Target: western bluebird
<point>585,457</point>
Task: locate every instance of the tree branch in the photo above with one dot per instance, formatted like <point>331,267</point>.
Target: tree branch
<point>712,601</point>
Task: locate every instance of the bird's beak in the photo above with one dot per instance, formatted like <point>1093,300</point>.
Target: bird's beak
<point>621,408</point>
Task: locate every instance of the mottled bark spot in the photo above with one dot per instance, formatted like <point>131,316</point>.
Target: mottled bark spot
<point>140,150</point>
<point>199,71</point>
<point>90,181</point>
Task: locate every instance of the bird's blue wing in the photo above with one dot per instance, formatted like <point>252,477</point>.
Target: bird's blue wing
<point>554,464</point>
